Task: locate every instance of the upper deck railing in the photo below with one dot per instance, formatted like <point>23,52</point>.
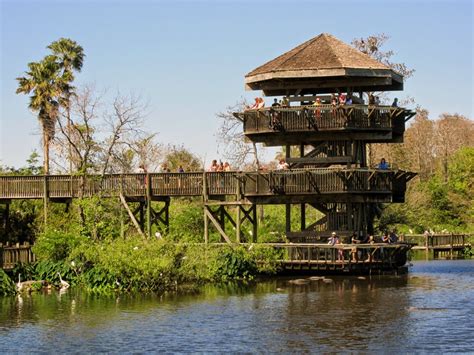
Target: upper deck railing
<point>289,182</point>
<point>325,118</point>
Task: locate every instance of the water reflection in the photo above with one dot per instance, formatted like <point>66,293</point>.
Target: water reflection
<point>429,309</point>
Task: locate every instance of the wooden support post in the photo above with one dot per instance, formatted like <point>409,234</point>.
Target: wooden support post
<point>451,246</point>
<point>288,218</point>
<point>427,247</point>
<point>221,212</point>
<point>217,225</point>
<point>45,199</point>
<point>141,214</point>
<point>206,220</point>
<point>303,216</point>
<point>122,223</point>
<point>132,217</point>
<point>148,204</point>
<point>6,217</point>
<point>254,223</point>
<point>239,214</point>
<point>350,216</point>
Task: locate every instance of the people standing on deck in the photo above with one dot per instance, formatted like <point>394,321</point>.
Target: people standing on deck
<point>214,166</point>
<point>180,169</point>
<point>164,168</point>
<point>261,103</point>
<point>349,100</point>
<point>254,105</point>
<point>334,240</point>
<point>282,165</point>
<point>285,102</point>
<point>333,105</point>
<point>355,253</point>
<point>317,111</point>
<point>141,169</point>
<point>220,166</point>
<point>226,166</point>
<point>342,99</point>
<point>393,237</point>
<point>377,101</point>
<point>383,165</point>
<point>395,102</point>
<point>371,99</point>
<point>275,115</point>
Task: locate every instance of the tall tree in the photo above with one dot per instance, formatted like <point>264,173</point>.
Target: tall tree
<point>70,58</point>
<point>372,46</point>
<point>42,81</point>
<point>232,139</point>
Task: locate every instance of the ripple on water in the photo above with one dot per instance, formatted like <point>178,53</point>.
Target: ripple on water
<point>430,310</point>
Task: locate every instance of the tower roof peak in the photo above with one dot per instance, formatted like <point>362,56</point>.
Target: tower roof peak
<point>313,62</point>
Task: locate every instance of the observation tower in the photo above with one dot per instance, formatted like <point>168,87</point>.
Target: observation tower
<point>327,117</point>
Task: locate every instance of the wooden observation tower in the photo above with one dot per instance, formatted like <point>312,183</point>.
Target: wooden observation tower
<point>331,138</point>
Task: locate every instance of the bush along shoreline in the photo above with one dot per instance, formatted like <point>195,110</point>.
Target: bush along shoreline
<point>136,264</point>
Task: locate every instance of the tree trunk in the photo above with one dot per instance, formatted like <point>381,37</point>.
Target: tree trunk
<point>45,152</point>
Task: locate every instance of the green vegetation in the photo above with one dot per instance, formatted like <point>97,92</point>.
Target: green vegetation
<point>438,202</point>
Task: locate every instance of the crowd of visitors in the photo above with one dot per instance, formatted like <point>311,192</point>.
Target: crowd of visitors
<point>356,253</point>
<point>215,167</point>
<point>334,100</point>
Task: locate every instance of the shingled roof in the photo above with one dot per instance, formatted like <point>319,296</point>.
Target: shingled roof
<point>321,65</point>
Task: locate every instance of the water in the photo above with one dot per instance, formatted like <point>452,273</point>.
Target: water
<point>429,310</point>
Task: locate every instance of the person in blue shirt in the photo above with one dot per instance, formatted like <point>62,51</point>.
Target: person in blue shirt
<point>383,165</point>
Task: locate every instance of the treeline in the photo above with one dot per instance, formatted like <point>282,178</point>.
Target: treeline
<point>441,196</point>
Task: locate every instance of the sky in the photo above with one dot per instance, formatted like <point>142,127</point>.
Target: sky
<point>188,59</point>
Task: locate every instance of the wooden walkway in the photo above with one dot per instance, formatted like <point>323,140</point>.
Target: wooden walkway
<point>442,245</point>
<point>376,185</point>
<point>302,257</point>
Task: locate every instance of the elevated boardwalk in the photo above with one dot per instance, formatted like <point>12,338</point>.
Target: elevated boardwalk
<point>263,187</point>
<point>441,245</point>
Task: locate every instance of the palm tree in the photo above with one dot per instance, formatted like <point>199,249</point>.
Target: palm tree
<point>70,58</point>
<point>42,81</point>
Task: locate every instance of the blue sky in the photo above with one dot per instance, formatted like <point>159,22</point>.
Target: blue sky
<point>188,58</point>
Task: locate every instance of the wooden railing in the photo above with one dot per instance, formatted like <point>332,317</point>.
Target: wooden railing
<point>324,117</point>
<point>10,255</point>
<point>324,254</point>
<point>296,182</point>
<point>434,241</point>
<point>317,181</point>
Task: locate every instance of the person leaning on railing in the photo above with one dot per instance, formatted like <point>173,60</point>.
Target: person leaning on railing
<point>383,165</point>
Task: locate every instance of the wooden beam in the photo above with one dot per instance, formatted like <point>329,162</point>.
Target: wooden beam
<point>132,217</point>
<point>217,225</point>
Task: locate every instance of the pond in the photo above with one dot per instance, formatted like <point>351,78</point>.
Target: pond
<point>430,309</point>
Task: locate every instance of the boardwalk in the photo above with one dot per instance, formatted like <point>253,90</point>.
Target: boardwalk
<point>294,257</point>
<point>381,184</point>
<point>441,245</point>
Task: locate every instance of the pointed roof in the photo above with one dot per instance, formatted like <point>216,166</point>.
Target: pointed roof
<point>319,64</point>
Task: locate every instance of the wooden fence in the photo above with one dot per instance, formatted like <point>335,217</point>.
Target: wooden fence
<point>10,255</point>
